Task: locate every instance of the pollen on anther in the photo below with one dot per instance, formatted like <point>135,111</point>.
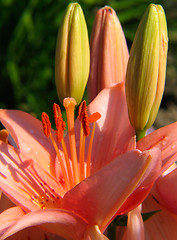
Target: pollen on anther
<point>60,124</point>
<point>83,117</point>
<point>81,109</point>
<point>46,124</point>
<point>94,117</point>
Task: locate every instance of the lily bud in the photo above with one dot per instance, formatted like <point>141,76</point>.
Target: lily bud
<point>108,52</point>
<point>145,78</point>
<point>72,61</point>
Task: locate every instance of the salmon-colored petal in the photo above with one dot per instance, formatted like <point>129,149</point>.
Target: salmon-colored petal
<point>113,135</point>
<point>9,217</point>
<point>108,52</point>
<point>5,203</point>
<point>144,185</point>
<point>166,191</point>
<point>98,197</point>
<point>28,135</point>
<point>135,226</point>
<point>60,222</point>
<point>23,181</point>
<point>34,233</point>
<point>161,226</point>
<point>166,140</point>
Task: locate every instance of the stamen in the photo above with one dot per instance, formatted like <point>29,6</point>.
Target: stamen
<point>85,131</point>
<point>47,131</point>
<point>46,124</point>
<point>70,175</point>
<point>60,124</point>
<point>90,150</point>
<point>69,104</point>
<point>94,117</point>
<point>61,163</point>
<point>83,117</point>
<point>82,154</point>
<point>58,117</point>
<point>85,120</point>
<point>80,111</point>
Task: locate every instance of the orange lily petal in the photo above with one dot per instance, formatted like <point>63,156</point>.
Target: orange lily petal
<point>22,180</point>
<point>28,134</point>
<point>166,140</point>
<point>144,185</point>
<point>5,203</point>
<point>113,132</point>
<point>33,233</point>
<point>59,222</point>
<point>9,217</point>
<point>135,225</point>
<point>165,191</point>
<point>98,197</point>
<point>162,225</point>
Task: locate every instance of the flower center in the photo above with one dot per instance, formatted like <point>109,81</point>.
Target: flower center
<point>74,168</point>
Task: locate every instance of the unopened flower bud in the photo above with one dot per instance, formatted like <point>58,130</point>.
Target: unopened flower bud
<point>108,52</point>
<point>72,62</point>
<point>145,78</point>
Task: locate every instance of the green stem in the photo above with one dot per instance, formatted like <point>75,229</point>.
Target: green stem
<point>140,134</point>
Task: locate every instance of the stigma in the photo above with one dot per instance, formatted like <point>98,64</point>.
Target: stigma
<point>75,165</point>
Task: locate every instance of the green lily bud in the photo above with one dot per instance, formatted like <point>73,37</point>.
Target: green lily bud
<point>108,52</point>
<point>72,61</point>
<point>145,77</point>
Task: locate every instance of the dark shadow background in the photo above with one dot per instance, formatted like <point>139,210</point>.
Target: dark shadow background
<point>28,32</point>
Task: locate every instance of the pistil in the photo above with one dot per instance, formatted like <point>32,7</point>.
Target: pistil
<point>69,104</point>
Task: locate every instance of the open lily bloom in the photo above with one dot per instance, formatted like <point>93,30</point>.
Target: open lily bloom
<point>163,197</point>
<point>160,226</point>
<point>164,224</point>
<point>80,204</point>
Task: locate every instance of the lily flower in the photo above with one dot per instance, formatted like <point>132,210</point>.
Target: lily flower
<point>162,225</point>
<point>73,190</point>
<point>162,197</point>
<point>164,139</point>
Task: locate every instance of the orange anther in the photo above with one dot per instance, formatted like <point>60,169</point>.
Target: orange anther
<point>81,106</point>
<point>94,117</point>
<point>83,117</point>
<point>59,134</point>
<point>60,124</point>
<point>46,124</point>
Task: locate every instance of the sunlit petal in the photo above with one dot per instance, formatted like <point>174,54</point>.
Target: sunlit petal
<point>163,225</point>
<point>29,138</point>
<point>98,197</point>
<point>60,222</point>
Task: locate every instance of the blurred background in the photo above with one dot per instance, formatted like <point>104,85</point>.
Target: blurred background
<point>28,32</point>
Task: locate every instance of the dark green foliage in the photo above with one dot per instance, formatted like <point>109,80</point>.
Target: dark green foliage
<point>28,31</point>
